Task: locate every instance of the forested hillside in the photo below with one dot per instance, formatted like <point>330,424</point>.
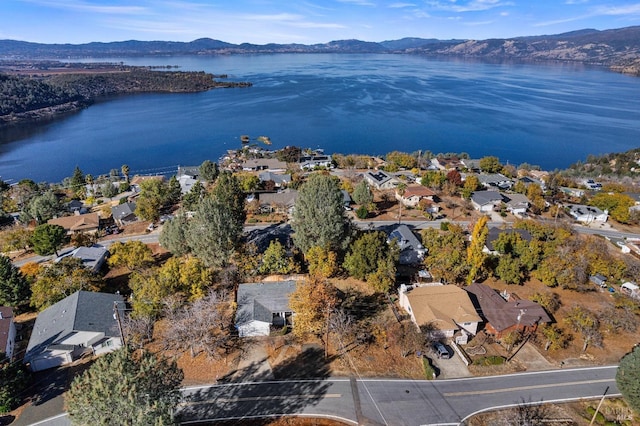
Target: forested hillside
<point>24,98</point>
<point>19,95</point>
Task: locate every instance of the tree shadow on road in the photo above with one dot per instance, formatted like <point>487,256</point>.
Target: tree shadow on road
<point>305,386</point>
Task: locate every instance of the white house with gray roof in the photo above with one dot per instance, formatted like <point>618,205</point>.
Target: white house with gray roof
<point>587,214</point>
<point>261,305</point>
<point>83,323</point>
<point>380,179</point>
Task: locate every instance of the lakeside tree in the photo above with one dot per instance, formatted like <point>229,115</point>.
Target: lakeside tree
<point>41,208</point>
<point>47,239</point>
<point>318,218</point>
<point>108,190</point>
<point>208,171</point>
<point>125,172</point>
<point>227,191</point>
<point>174,191</point>
<point>77,182</point>
<point>125,388</point>
<point>446,257</point>
<point>490,164</point>
<point>14,287</point>
<point>191,199</point>
<point>628,378</point>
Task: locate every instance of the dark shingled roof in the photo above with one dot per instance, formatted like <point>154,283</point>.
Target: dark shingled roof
<point>494,233</point>
<point>82,311</point>
<point>502,314</point>
<point>258,301</point>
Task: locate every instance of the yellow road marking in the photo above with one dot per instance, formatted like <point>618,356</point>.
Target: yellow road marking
<point>551,385</point>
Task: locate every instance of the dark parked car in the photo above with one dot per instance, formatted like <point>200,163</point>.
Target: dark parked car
<point>440,350</point>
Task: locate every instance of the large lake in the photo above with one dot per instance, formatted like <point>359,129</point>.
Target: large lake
<point>550,115</point>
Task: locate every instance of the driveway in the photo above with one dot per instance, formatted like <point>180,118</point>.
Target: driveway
<point>451,368</point>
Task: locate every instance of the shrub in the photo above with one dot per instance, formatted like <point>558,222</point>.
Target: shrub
<point>427,368</point>
<point>362,212</point>
<point>444,226</point>
<point>489,360</point>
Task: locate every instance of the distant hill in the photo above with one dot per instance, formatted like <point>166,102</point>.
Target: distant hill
<point>618,49</point>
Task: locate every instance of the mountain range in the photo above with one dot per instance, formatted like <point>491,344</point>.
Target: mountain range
<point>618,49</point>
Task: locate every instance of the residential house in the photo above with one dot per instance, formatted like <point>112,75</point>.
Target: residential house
<point>186,183</point>
<point>447,308</point>
<point>504,315</point>
<point>346,199</point>
<point>88,222</point>
<point>472,165</point>
<point>262,305</point>
<point>587,214</point>
<point>258,164</point>
<point>76,206</point>
<point>380,179</point>
<point>191,171</point>
<point>494,234</point>
<point>495,180</point>
<point>92,257</point>
<point>7,333</point>
<point>137,180</point>
<point>124,214</point>
<point>279,180</point>
<point>527,180</point>
<point>279,202</point>
<point>412,251</point>
<point>572,192</point>
<point>310,162</point>
<point>486,201</point>
<point>84,323</point>
<point>414,194</point>
<point>516,203</point>
<point>447,163</point>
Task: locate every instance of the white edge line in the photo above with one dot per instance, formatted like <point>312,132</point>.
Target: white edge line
<point>551,401</point>
<point>325,416</point>
<point>526,373</point>
<point>213,385</point>
<point>49,419</point>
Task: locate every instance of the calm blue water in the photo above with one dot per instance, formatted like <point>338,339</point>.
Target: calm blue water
<point>550,115</point>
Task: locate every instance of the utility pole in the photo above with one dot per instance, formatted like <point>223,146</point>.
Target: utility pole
<point>116,316</point>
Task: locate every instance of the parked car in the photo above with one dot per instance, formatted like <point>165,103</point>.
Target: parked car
<point>440,350</point>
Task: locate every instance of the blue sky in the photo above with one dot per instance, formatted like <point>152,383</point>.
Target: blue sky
<point>310,21</point>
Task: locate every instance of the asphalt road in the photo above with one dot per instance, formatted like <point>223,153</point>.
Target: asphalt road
<point>393,402</point>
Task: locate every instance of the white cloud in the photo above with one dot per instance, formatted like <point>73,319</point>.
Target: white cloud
<point>82,6</point>
<point>469,6</point>
<point>358,2</point>
<point>631,9</point>
<point>401,5</point>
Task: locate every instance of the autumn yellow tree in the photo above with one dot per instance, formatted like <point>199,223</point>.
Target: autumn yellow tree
<point>475,256</point>
<point>312,302</point>
<point>322,261</point>
<point>133,255</point>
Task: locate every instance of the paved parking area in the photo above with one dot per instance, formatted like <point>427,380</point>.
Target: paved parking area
<point>451,368</point>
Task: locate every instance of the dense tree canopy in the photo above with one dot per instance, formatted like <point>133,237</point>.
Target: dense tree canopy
<point>362,194</point>
<point>60,280</point>
<point>318,218</point>
<point>628,378</point>
<point>47,239</point>
<point>133,255</point>
<point>127,389</point>
<point>14,287</point>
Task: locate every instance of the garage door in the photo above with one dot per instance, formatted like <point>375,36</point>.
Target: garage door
<point>39,364</point>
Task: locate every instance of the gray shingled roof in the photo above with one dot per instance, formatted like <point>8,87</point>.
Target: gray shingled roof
<point>82,311</point>
<point>258,301</point>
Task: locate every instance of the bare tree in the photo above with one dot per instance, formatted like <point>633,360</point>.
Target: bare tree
<point>341,325</point>
<point>203,326</point>
<point>137,330</point>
